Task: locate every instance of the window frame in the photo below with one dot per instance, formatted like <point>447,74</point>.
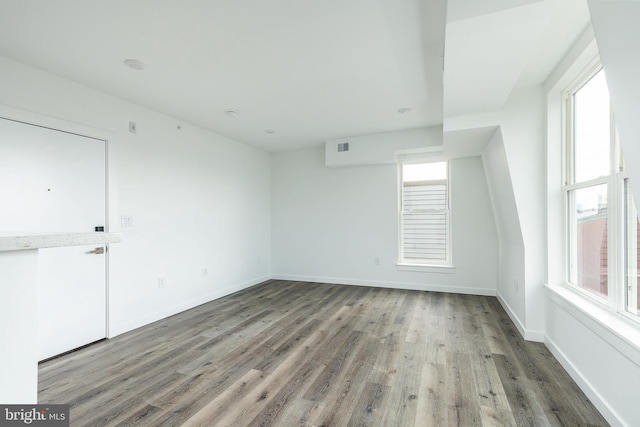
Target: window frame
<point>616,182</point>
<point>629,289</point>
<point>429,265</point>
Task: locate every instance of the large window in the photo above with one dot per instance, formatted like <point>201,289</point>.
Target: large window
<point>602,231</point>
<point>632,253</point>
<point>424,214</point>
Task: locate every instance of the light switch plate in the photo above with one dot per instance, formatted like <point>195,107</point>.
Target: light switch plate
<point>126,221</point>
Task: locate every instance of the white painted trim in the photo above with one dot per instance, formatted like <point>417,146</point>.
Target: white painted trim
<point>54,123</point>
<point>390,285</point>
<point>535,336</point>
<point>607,412</point>
<point>527,334</point>
<point>404,264</point>
<point>426,268</point>
<point>118,329</point>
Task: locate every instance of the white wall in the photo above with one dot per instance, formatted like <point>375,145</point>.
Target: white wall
<point>330,224</point>
<point>380,148</point>
<point>197,199</point>
<point>18,327</point>
<point>523,129</point>
<point>603,363</point>
<point>511,244</point>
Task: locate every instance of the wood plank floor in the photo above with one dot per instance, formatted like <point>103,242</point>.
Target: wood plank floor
<point>306,354</point>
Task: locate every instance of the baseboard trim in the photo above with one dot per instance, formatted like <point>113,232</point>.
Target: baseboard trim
<point>610,415</point>
<point>527,334</point>
<point>391,285</point>
<point>118,329</point>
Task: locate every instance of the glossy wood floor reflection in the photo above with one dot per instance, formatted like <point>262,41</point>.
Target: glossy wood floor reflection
<point>305,354</point>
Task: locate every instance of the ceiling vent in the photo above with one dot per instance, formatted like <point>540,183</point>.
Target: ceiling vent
<point>343,146</point>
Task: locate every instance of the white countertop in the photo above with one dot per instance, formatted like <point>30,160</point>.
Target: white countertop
<point>21,243</point>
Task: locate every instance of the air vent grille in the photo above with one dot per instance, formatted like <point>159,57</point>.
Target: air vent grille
<point>343,146</point>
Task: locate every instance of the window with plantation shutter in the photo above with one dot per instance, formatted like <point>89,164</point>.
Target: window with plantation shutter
<point>424,214</point>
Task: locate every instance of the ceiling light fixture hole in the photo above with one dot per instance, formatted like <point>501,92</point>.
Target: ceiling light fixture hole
<point>134,64</point>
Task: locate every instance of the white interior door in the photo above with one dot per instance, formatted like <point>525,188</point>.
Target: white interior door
<point>54,182</point>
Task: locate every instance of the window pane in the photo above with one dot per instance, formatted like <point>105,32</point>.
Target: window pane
<point>591,130</point>
<point>589,251</point>
<point>424,195</point>
<point>424,172</point>
<point>424,236</point>
<point>425,214</point>
<point>632,260</point>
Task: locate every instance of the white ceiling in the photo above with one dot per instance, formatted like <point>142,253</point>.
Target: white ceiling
<point>309,70</point>
<point>503,45</point>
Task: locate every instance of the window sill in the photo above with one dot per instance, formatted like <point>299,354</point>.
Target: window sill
<point>426,268</point>
<point>621,332</point>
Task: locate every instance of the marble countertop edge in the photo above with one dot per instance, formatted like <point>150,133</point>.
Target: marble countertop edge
<point>27,242</point>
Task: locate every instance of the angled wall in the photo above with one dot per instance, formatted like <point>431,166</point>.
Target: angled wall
<point>521,138</point>
<point>522,127</point>
<point>616,24</point>
<point>511,267</point>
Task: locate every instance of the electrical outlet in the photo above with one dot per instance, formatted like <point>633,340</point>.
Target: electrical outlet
<point>133,128</point>
<point>205,272</point>
<point>376,261</point>
<point>160,282</point>
<point>515,284</point>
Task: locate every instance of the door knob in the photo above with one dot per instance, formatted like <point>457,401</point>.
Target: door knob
<point>97,251</point>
